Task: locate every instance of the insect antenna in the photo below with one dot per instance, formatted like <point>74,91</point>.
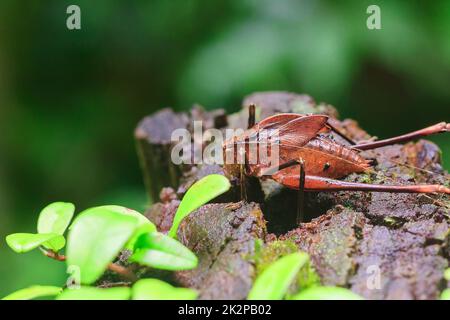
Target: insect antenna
<point>416,168</point>
<point>435,201</point>
<point>373,162</point>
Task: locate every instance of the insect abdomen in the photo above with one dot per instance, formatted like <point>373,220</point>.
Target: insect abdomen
<point>325,158</point>
<point>334,160</point>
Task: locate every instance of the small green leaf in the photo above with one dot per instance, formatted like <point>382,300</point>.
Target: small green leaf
<point>33,292</point>
<point>200,193</point>
<point>447,274</point>
<point>445,295</point>
<point>326,293</point>
<point>143,229</point>
<point>274,281</point>
<point>55,218</point>
<point>24,242</point>
<point>154,289</point>
<point>161,260</point>
<point>144,225</point>
<point>92,293</point>
<point>55,244</point>
<point>95,238</point>
<point>130,212</point>
<point>162,252</point>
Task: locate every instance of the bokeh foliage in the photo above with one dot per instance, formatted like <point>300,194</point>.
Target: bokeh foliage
<point>69,100</point>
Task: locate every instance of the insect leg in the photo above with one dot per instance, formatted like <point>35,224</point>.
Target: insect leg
<point>301,193</point>
<point>437,128</point>
<point>300,184</point>
<point>242,173</point>
<point>242,182</point>
<point>270,171</point>
<point>251,116</point>
<point>334,129</point>
<point>313,183</point>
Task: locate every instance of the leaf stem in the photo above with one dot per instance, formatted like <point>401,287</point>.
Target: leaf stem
<point>120,270</point>
<point>52,254</point>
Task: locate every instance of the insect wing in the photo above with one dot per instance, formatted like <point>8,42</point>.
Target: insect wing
<point>300,131</point>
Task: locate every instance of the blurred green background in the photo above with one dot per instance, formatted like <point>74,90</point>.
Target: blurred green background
<point>69,100</point>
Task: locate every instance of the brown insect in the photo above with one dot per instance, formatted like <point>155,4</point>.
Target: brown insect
<point>310,161</point>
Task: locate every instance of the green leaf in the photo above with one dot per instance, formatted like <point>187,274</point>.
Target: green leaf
<point>130,212</point>
<point>447,274</point>
<point>326,293</point>
<point>445,295</point>
<point>24,242</point>
<point>161,260</point>
<point>144,225</point>
<point>95,238</point>
<point>154,289</point>
<point>162,252</point>
<point>55,218</point>
<point>33,292</point>
<point>143,229</point>
<point>274,281</point>
<point>92,293</point>
<point>200,193</point>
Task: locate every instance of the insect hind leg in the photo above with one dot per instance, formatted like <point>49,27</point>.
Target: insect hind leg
<point>437,128</point>
<point>313,183</point>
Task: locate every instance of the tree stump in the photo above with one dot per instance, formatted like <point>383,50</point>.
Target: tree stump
<point>380,245</point>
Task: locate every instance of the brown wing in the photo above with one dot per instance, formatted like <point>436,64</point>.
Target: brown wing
<point>285,130</point>
<point>293,134</point>
<point>300,131</point>
<point>277,120</point>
